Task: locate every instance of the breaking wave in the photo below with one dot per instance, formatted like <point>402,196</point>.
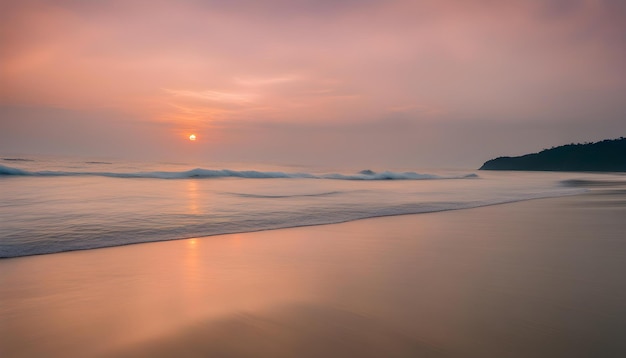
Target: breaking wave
<point>200,173</point>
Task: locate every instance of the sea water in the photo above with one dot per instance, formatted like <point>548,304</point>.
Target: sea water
<point>50,205</point>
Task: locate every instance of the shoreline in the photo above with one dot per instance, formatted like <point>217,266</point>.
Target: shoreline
<point>554,196</point>
<point>531,277</point>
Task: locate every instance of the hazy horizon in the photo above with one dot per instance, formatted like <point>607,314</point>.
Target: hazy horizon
<point>360,83</point>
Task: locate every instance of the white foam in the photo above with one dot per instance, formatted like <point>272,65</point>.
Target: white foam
<point>227,173</point>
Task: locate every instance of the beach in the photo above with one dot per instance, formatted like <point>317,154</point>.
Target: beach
<point>528,279</point>
<point>312,179</point>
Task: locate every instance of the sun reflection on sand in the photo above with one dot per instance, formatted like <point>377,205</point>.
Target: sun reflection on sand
<point>192,278</point>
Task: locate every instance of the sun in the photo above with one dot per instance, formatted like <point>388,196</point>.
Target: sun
<point>192,137</point>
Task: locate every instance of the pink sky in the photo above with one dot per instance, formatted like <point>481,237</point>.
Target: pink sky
<point>375,83</point>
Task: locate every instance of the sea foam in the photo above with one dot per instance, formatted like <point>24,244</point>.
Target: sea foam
<point>201,173</point>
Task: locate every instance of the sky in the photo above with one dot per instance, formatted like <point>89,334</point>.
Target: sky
<point>394,83</point>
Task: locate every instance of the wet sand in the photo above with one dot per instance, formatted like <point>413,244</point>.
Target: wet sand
<point>541,278</point>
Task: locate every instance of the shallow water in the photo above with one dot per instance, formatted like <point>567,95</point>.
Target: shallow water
<point>49,206</point>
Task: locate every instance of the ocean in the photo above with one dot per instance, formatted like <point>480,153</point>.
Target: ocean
<point>50,205</point>
<point>536,278</point>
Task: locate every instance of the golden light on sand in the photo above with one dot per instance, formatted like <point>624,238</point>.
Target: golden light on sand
<point>192,137</point>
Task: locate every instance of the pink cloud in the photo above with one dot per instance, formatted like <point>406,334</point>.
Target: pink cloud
<point>219,65</point>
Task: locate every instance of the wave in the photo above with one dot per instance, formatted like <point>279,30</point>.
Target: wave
<point>584,183</point>
<point>244,195</point>
<point>17,160</point>
<point>387,175</point>
<point>200,173</point>
<point>4,170</point>
<point>105,235</point>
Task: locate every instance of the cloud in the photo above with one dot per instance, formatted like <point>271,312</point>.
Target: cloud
<point>265,81</point>
<point>226,64</point>
<point>216,96</point>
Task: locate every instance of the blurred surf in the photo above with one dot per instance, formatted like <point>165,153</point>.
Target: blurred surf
<point>49,206</point>
<point>227,173</point>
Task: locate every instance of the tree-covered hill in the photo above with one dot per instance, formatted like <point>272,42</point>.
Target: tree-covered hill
<point>607,156</point>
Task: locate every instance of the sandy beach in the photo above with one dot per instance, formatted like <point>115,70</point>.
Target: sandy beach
<point>313,179</point>
<point>540,278</point>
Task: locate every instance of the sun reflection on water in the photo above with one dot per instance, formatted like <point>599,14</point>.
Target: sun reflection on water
<point>193,197</point>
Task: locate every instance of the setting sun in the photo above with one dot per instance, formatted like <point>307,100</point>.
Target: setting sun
<point>192,137</point>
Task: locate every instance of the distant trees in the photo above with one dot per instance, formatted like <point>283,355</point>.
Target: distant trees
<point>606,155</point>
